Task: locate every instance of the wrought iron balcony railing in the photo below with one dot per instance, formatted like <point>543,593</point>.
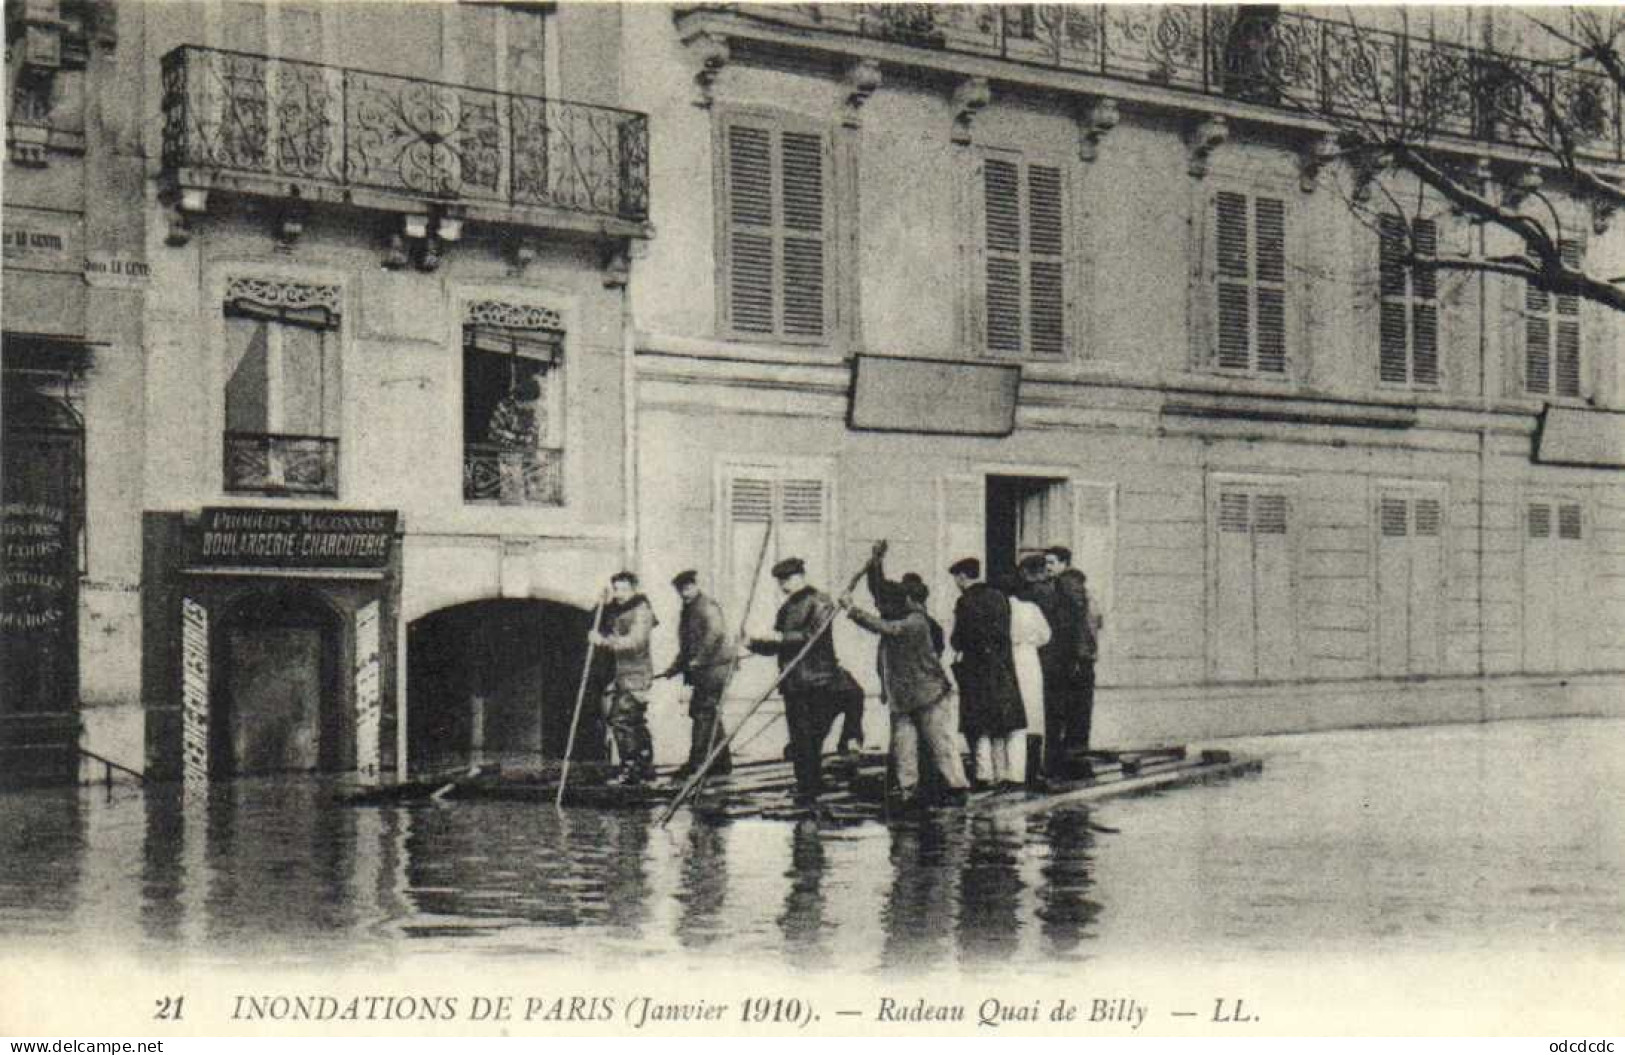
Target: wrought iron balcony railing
<point>268,463</point>
<point>301,121</point>
<point>1278,58</point>
<point>502,476</point>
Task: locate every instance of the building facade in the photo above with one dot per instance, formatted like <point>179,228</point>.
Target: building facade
<point>1312,484</point>
<point>386,367</point>
<point>71,381</point>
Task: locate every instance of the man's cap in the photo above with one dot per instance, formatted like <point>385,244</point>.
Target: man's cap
<point>684,578</point>
<point>1060,553</point>
<point>966,566</point>
<point>789,566</point>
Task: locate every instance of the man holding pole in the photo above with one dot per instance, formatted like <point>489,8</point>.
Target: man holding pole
<point>915,688</point>
<point>631,620</point>
<point>815,688</point>
<point>705,662</point>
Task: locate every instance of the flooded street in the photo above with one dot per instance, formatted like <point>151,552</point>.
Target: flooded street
<point>1505,837</point>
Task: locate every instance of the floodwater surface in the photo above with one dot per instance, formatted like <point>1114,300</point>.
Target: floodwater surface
<point>1505,837</point>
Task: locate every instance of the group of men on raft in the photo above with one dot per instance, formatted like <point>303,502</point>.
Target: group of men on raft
<point>1025,651</point>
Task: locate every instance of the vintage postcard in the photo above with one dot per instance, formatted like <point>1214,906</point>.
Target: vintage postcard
<point>812,518</point>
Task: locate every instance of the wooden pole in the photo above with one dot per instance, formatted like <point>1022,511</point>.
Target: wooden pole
<point>718,730</point>
<point>581,694</point>
<point>699,775</point>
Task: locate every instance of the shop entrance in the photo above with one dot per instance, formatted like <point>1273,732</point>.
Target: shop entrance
<point>495,681</point>
<point>1024,514</point>
<point>42,473</point>
<point>281,703</point>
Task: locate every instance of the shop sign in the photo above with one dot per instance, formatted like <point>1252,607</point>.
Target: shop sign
<point>36,240</point>
<point>194,692</point>
<point>108,270</point>
<point>294,538</point>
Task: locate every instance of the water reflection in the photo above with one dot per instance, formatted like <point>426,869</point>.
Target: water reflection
<point>1318,852</point>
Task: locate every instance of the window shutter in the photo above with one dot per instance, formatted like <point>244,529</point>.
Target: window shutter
<point>1428,517</point>
<point>1568,521</point>
<point>750,216</point>
<point>1540,520</point>
<point>802,156</point>
<point>1391,347</point>
<point>1270,225</point>
<point>1425,341</point>
<point>1391,255</point>
<point>1425,246</point>
<point>1537,353</point>
<point>1568,357</point>
<point>1234,512</point>
<point>1001,182</point>
<point>1269,514</point>
<point>1234,292</point>
<point>1393,517</point>
<point>1046,285</point>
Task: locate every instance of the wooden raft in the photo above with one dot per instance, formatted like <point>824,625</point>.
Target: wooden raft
<point>764,789</point>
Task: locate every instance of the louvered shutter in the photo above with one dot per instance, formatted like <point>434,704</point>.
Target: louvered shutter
<point>1424,306</point>
<point>1426,602</point>
<point>961,532</point>
<point>1234,281</point>
<point>1272,587</point>
<point>1568,521</point>
<point>1566,327</point>
<point>803,515</point>
<point>1270,278</point>
<point>804,234</point>
<point>1001,182</point>
<point>750,228</point>
<point>1541,598</point>
<point>778,230</point>
<point>1094,540</point>
<point>1393,356</point>
<point>749,502</point>
<point>1393,586</point>
<point>1046,283</point>
<point>1235,622</point>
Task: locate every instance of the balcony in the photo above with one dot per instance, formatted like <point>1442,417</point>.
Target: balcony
<point>1285,60</point>
<point>494,475</point>
<point>272,464</point>
<point>255,124</point>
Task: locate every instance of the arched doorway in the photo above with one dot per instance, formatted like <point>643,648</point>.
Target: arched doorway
<point>496,680</point>
<point>280,704</point>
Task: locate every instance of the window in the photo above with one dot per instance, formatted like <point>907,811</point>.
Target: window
<point>1552,335</point>
<point>1408,350</point>
<point>513,405</point>
<point>282,396</point>
<point>1252,620</point>
<point>777,244</point>
<point>504,47</point>
<point>1557,618</point>
<point>1023,274</point>
<point>1410,582</point>
<point>1249,235</point>
<point>788,507</point>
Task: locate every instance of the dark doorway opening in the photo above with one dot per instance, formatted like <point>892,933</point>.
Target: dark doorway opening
<point>496,681</point>
<point>42,484</point>
<point>1023,515</point>
<point>281,699</point>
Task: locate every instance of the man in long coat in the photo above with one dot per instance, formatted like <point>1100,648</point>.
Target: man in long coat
<point>705,661</point>
<point>1056,659</point>
<point>1073,589</point>
<point>989,696</point>
<point>816,690</point>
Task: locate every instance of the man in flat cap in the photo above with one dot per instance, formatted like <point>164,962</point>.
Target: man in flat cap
<point>989,694</point>
<point>817,689</point>
<point>705,661</point>
<point>628,621</point>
